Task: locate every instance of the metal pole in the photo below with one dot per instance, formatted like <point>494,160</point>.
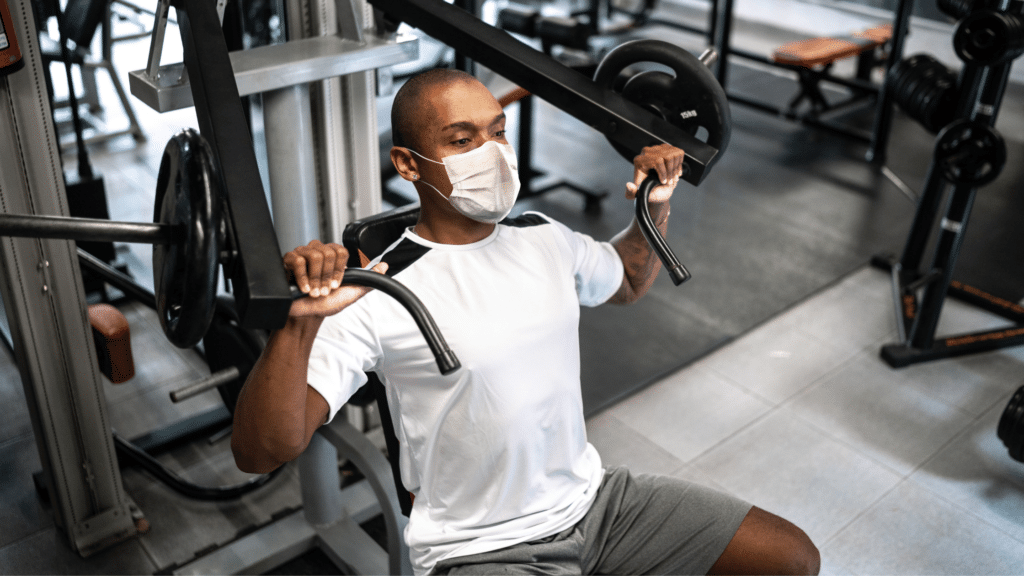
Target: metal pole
<point>291,165</point>
<point>320,482</point>
<point>883,109</point>
<point>954,226</point>
<point>462,62</point>
<point>87,229</point>
<point>41,289</point>
<point>722,36</point>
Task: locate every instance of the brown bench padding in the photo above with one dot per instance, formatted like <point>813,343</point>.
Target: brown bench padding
<point>112,335</point>
<point>817,51</point>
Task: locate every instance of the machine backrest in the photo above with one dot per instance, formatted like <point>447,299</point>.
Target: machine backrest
<point>365,240</point>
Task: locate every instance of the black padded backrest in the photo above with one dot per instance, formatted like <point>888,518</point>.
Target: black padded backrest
<point>373,234</point>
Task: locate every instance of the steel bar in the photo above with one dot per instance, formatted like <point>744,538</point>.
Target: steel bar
<point>87,229</point>
<point>803,119</point>
<point>212,381</point>
<point>117,279</point>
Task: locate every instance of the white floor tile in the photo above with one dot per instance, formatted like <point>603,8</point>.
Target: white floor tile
<point>866,405</point>
<point>689,412</point>
<point>775,361</point>
<point>976,472</point>
<point>971,383</point>
<point>787,467</point>
<point>847,316</point>
<point>912,531</point>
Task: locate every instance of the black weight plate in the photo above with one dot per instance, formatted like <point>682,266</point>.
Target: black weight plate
<point>188,196</point>
<point>661,94</point>
<point>956,8</point>
<point>1011,426</point>
<point>970,153</point>
<point>989,38</point>
<point>225,345</point>
<point>694,88</point>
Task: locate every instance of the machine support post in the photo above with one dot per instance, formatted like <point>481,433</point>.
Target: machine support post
<point>260,289</point>
<point>883,108</point>
<point>45,304</point>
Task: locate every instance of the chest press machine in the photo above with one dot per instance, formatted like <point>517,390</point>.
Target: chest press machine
<point>214,215</point>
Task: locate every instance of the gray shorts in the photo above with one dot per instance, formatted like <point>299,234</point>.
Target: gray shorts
<point>637,525</point>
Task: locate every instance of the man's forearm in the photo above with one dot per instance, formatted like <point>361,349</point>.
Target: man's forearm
<point>270,423</point>
<point>639,260</point>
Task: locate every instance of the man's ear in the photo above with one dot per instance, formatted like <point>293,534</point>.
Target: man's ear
<point>405,163</point>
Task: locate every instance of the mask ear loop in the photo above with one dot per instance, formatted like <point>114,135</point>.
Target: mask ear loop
<point>416,176</point>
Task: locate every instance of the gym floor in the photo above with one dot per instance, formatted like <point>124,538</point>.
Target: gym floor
<point>760,376</point>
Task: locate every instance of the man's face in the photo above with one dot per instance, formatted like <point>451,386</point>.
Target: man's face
<point>457,118</point>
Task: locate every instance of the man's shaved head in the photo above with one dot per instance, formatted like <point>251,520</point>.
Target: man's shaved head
<point>409,103</point>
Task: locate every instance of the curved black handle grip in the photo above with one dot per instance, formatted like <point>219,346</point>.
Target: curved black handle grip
<point>447,362</point>
<point>676,270</point>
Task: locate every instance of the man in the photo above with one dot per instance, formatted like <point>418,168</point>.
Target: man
<point>495,453</point>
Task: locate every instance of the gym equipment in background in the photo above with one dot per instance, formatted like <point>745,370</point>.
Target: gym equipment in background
<point>811,61</point>
<point>969,153</point>
<point>79,22</point>
<point>86,193</point>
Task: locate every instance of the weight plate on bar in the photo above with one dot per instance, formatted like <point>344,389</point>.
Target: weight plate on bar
<point>691,99</point>
<point>970,153</point>
<point>188,196</point>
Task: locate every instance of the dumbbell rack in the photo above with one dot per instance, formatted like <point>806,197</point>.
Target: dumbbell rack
<point>969,153</point>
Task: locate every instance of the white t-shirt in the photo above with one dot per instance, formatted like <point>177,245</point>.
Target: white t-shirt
<point>495,453</point>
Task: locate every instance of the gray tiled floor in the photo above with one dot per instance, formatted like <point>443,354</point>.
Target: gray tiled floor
<point>889,471</point>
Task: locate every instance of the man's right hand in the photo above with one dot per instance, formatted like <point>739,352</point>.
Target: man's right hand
<point>319,269</point>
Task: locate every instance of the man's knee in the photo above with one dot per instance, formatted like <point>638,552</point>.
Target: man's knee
<point>799,554</point>
<point>768,544</point>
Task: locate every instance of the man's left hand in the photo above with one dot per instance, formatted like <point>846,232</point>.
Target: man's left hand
<point>667,160</point>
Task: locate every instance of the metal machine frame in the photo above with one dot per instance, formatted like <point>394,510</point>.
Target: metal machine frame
<point>46,309</point>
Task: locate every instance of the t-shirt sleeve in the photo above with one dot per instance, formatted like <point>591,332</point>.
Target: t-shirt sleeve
<point>596,265</point>
<point>346,347</point>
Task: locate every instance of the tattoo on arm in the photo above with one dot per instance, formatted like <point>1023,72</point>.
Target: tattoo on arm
<point>639,260</point>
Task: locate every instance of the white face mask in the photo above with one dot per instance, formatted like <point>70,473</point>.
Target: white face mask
<point>485,181</point>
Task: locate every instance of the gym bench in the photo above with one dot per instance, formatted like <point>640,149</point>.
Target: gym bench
<point>812,59</point>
